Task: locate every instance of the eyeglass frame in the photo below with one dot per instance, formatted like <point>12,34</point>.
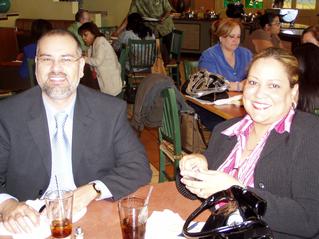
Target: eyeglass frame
<point>61,60</point>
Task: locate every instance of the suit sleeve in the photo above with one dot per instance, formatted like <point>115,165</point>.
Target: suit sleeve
<point>131,168</point>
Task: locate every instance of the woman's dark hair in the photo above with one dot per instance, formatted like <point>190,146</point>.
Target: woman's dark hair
<point>235,10</point>
<point>136,24</point>
<point>308,55</point>
<point>39,27</point>
<point>91,27</point>
<point>267,18</point>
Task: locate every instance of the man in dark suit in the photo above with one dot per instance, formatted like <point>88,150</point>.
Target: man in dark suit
<point>105,158</point>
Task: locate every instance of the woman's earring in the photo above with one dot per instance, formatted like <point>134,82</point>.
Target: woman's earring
<point>294,105</point>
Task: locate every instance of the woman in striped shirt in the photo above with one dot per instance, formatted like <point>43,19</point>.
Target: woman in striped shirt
<point>272,151</point>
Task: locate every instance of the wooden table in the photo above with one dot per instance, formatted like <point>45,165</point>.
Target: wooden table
<point>102,220</point>
<point>224,111</point>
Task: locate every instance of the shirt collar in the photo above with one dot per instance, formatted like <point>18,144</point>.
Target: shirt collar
<point>281,126</point>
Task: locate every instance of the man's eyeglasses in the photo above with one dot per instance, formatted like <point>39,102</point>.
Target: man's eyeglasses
<point>64,60</point>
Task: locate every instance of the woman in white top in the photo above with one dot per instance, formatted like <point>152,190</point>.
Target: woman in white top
<point>102,58</point>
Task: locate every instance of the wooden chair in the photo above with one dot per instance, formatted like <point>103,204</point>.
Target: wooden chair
<point>169,136</point>
<point>31,68</point>
<point>141,57</point>
<point>175,53</point>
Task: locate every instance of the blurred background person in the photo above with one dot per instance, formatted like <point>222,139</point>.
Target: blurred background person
<point>135,30</point>
<point>38,28</point>
<point>311,35</point>
<point>157,14</point>
<point>226,57</point>
<point>102,57</point>
<point>81,17</point>
<point>272,151</point>
<point>308,57</point>
<point>267,35</point>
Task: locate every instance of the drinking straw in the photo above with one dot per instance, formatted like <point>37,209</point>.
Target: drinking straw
<point>59,197</point>
<point>148,195</point>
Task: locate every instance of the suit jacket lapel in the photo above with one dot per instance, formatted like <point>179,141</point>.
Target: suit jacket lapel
<point>274,141</point>
<point>82,122</point>
<point>39,130</point>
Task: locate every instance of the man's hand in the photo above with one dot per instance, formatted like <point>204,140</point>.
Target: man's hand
<point>18,217</point>
<point>83,196</point>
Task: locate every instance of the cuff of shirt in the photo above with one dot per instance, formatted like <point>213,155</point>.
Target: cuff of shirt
<point>4,197</point>
<point>105,192</point>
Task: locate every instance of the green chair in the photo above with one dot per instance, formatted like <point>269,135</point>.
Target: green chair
<point>190,67</point>
<point>169,136</point>
<point>175,53</point>
<point>31,69</point>
<point>141,57</point>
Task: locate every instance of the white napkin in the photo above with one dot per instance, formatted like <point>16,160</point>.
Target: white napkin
<point>231,100</point>
<point>43,230</point>
<point>166,224</point>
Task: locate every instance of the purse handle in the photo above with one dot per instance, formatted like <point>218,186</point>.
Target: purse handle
<point>231,195</point>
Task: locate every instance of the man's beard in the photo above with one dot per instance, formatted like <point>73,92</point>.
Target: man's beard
<point>59,92</point>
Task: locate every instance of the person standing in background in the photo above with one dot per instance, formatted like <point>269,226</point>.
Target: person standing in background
<point>163,26</point>
<point>81,17</point>
<point>38,28</point>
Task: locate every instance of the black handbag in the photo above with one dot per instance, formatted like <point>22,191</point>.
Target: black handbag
<point>235,214</point>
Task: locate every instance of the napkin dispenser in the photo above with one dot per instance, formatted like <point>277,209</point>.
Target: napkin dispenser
<point>235,214</point>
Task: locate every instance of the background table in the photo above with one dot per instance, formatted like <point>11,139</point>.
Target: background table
<point>224,111</point>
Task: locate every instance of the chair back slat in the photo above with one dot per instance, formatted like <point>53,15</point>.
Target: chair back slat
<point>170,129</point>
<point>176,44</point>
<point>141,54</point>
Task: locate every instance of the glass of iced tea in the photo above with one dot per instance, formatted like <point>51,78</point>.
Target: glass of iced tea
<point>133,216</point>
<point>59,205</point>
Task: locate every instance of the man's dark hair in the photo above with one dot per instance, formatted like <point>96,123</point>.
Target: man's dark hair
<point>79,14</point>
<point>39,27</point>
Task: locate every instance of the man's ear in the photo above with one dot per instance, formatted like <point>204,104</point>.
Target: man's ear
<point>82,64</point>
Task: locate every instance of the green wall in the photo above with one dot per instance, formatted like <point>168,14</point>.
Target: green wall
<point>46,9</point>
<point>116,10</point>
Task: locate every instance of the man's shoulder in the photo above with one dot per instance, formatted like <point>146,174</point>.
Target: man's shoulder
<point>99,100</point>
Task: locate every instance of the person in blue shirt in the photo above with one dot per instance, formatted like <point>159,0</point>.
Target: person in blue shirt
<point>226,57</point>
<point>38,28</point>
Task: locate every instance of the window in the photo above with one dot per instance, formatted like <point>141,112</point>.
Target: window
<point>300,4</point>
<point>257,4</point>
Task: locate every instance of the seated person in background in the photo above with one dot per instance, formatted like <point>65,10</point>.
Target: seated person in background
<point>227,58</point>
<point>311,35</point>
<point>102,57</point>
<point>135,30</point>
<point>267,35</point>
<point>81,17</point>
<point>308,57</point>
<point>101,155</point>
<point>272,151</point>
<point>163,28</point>
<point>38,28</point>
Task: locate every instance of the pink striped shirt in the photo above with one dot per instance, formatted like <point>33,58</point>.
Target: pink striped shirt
<point>244,171</point>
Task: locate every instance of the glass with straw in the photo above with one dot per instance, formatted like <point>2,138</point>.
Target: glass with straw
<point>59,205</point>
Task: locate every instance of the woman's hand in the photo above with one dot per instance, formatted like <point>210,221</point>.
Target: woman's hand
<point>204,183</point>
<point>193,162</point>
